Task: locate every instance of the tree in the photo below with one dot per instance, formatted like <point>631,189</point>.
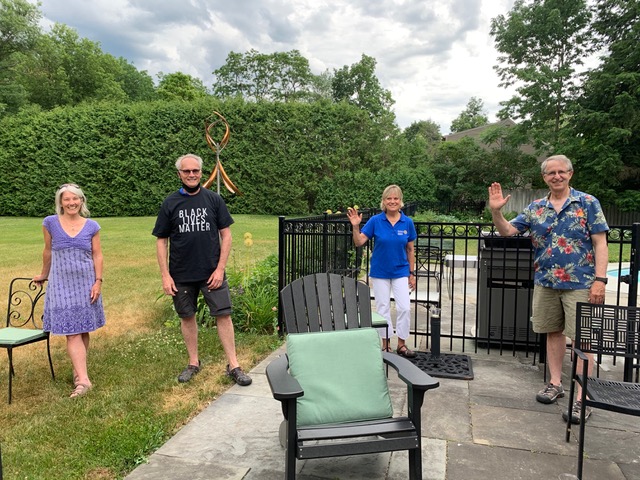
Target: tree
<point>471,117</point>
<point>280,76</point>
<point>422,139</point>
<point>91,72</point>
<point>541,42</point>
<point>19,28</point>
<point>19,31</point>
<point>43,76</point>
<point>359,86</point>
<point>320,87</point>
<point>605,138</point>
<point>427,129</point>
<point>180,86</point>
<point>458,163</point>
<point>138,85</point>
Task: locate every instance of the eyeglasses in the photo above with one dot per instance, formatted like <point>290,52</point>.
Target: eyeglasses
<point>64,185</point>
<point>562,173</point>
<point>194,171</point>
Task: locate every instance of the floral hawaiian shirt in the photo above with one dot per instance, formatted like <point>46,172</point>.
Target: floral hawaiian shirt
<point>564,255</point>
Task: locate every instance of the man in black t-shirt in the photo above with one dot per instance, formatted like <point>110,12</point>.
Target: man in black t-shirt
<point>192,230</point>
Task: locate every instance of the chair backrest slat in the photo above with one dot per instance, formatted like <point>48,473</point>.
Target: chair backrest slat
<point>352,303</point>
<point>323,302</point>
<point>337,302</point>
<point>364,304</point>
<point>310,304</point>
<point>288,307</point>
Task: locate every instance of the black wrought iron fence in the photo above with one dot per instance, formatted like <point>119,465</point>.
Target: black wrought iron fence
<point>481,282</point>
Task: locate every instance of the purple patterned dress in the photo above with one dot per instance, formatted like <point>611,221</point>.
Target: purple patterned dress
<point>67,308</point>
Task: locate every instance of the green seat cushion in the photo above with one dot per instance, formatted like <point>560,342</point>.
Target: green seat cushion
<point>342,375</point>
<point>377,320</point>
<point>15,336</point>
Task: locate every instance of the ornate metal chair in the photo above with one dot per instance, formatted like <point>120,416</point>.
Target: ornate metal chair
<point>24,321</point>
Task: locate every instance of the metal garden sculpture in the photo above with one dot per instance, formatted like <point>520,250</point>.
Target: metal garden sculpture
<point>218,173</point>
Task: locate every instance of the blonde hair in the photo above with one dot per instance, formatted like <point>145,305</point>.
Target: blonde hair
<point>76,190</point>
<point>390,190</point>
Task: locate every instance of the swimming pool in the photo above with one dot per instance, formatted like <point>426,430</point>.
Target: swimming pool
<point>623,271</point>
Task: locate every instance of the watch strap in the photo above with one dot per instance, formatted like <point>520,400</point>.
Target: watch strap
<point>604,280</point>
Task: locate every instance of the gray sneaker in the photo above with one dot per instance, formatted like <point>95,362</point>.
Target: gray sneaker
<point>550,393</point>
<point>189,372</point>
<point>575,413</point>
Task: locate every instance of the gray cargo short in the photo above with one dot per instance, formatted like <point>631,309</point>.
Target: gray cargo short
<point>185,300</point>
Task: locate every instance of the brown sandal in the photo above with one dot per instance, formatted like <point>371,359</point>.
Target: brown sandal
<point>403,351</point>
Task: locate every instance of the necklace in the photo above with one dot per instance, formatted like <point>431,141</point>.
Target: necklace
<point>73,226</point>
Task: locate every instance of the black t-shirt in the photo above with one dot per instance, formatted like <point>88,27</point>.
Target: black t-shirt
<point>192,224</point>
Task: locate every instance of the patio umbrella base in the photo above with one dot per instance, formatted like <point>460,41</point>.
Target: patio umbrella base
<point>445,365</point>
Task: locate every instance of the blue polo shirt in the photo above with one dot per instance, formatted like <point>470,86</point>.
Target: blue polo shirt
<point>563,249</point>
<point>389,257</point>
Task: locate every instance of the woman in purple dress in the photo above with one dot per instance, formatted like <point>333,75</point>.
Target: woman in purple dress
<point>72,262</point>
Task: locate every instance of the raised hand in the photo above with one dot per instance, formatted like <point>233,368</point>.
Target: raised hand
<point>354,217</point>
<point>496,198</point>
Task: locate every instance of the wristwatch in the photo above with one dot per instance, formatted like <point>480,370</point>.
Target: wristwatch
<point>604,280</point>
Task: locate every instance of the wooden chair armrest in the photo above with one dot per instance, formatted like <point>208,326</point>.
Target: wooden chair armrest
<point>283,386</point>
<point>409,373</point>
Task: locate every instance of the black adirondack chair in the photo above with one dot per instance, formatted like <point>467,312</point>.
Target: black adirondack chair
<point>321,306</point>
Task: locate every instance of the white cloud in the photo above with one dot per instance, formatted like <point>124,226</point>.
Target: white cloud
<point>433,57</point>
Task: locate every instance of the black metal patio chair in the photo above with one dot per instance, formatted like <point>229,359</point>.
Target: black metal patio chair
<point>604,330</point>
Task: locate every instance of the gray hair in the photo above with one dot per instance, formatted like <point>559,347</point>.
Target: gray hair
<point>390,190</point>
<point>76,190</point>
<point>561,158</point>
<point>188,155</point>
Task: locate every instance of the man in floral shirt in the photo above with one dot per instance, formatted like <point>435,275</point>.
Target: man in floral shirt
<point>569,236</point>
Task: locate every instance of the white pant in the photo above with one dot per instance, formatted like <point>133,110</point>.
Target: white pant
<point>382,288</point>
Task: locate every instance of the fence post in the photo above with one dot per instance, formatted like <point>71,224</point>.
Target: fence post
<point>325,246</point>
<point>282,265</point>
<point>634,265</point>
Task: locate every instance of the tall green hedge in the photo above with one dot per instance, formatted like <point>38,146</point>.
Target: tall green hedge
<point>285,158</point>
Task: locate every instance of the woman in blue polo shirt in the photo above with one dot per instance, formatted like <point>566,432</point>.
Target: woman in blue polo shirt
<point>392,262</point>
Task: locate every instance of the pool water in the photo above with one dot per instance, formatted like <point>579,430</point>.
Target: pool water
<point>624,271</point>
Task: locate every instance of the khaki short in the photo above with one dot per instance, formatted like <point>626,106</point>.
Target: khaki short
<point>555,310</point>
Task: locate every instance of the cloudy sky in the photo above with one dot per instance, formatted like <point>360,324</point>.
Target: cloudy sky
<point>432,56</point>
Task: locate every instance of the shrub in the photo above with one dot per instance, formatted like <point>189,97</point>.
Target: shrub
<point>255,298</point>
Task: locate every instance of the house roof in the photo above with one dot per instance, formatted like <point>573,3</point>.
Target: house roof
<point>475,133</point>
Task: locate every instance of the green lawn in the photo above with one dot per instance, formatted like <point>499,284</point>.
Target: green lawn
<point>136,403</point>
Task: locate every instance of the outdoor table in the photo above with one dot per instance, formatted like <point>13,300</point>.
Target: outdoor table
<point>457,261</point>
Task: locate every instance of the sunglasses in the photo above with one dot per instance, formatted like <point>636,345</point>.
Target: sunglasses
<point>194,171</point>
<point>64,185</point>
